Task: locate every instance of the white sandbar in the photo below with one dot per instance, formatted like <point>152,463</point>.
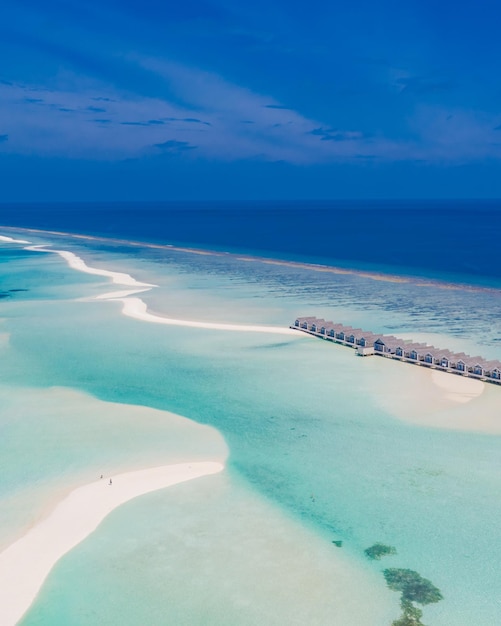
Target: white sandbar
<point>11,240</point>
<point>25,564</point>
<point>457,388</point>
<point>117,295</point>
<point>436,399</point>
<point>76,263</point>
<point>135,307</point>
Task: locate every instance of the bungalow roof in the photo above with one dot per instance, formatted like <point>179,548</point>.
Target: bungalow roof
<point>335,326</point>
<point>471,361</point>
<point>368,337</point>
<point>306,319</point>
<point>319,322</point>
<point>492,365</point>
<point>422,348</point>
<point>440,354</point>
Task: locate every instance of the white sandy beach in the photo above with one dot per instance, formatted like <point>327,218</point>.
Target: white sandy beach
<point>25,564</point>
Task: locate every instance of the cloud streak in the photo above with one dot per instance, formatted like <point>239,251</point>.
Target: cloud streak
<point>212,118</point>
<point>174,146</point>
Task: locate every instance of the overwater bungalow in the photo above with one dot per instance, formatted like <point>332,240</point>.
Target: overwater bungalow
<point>414,351</point>
<point>495,373</point>
<point>380,346</point>
<point>366,340</point>
<point>478,370</point>
<point>333,329</point>
<point>368,343</point>
<point>354,335</point>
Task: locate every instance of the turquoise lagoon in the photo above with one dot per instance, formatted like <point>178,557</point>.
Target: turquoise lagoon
<point>317,449</point>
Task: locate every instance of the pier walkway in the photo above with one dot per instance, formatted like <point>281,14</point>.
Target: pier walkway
<point>367,343</point>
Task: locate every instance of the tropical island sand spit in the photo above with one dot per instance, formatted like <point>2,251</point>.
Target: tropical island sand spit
<point>25,564</point>
<point>317,267</point>
<point>11,240</point>
<point>137,308</point>
<point>77,263</point>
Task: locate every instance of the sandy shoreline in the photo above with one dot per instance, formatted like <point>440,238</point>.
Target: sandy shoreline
<point>26,563</point>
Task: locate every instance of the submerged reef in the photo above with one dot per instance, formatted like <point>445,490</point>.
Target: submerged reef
<point>411,615</point>
<point>378,550</point>
<point>413,586</point>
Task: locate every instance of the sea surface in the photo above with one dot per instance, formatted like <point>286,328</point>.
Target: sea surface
<point>456,237</point>
<point>321,446</point>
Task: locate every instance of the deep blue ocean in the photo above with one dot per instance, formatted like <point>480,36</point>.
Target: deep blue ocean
<point>432,238</point>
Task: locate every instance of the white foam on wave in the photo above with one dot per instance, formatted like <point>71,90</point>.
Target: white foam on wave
<point>25,564</point>
<point>136,308</point>
<point>11,240</point>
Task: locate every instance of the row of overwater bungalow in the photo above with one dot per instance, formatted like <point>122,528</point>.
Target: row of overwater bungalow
<point>367,343</point>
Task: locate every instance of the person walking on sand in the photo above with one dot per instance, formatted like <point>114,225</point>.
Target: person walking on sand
<point>110,482</point>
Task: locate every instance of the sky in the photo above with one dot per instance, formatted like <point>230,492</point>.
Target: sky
<point>219,100</point>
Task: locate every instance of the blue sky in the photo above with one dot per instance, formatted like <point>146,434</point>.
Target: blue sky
<point>129,100</point>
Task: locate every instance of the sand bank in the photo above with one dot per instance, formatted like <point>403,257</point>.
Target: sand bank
<point>11,240</point>
<point>136,308</point>
<point>76,263</point>
<point>117,295</point>
<point>457,388</point>
<point>25,564</point>
<point>431,398</point>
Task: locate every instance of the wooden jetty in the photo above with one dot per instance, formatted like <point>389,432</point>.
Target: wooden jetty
<point>367,343</point>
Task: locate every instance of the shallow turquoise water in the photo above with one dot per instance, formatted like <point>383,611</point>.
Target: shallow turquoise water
<point>209,552</point>
<point>300,417</point>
